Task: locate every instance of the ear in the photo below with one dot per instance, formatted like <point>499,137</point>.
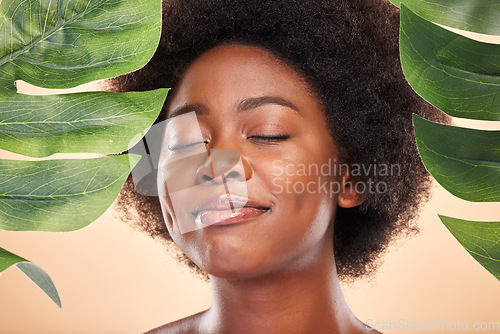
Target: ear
<point>348,196</point>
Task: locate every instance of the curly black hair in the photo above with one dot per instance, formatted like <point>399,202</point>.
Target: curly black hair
<point>347,52</point>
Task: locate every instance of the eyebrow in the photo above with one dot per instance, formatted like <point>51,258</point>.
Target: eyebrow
<point>245,105</point>
<point>199,108</point>
<point>255,102</point>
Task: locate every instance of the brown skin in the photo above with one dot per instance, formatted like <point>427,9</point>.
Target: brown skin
<point>276,272</point>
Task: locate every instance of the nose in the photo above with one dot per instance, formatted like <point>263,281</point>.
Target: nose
<point>226,164</point>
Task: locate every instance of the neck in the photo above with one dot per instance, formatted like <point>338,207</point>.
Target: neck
<point>305,299</point>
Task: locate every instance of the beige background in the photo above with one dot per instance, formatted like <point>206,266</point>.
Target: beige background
<point>112,279</point>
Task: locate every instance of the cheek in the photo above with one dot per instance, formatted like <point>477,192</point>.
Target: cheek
<point>187,242</point>
<point>306,191</point>
<point>305,175</point>
<point>307,205</point>
<point>168,217</point>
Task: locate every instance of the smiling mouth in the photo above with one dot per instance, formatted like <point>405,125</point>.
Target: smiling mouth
<point>227,217</point>
<point>227,209</point>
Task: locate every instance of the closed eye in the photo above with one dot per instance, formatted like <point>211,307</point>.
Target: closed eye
<point>270,138</point>
<point>184,147</point>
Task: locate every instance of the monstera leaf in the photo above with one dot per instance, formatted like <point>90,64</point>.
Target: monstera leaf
<point>480,239</point>
<point>466,162</point>
<point>33,271</point>
<point>461,77</point>
<point>456,74</point>
<point>472,15</point>
<point>62,44</point>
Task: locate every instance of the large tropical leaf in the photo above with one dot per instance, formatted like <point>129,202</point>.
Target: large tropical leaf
<point>100,122</point>
<point>481,16</point>
<point>480,239</point>
<point>33,271</point>
<point>461,77</point>
<point>466,162</point>
<point>64,43</point>
<point>60,44</point>
<point>59,195</point>
<point>456,74</point>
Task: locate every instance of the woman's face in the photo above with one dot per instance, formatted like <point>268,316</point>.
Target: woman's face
<point>248,102</point>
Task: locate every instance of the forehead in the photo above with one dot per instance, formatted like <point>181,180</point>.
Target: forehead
<point>229,73</point>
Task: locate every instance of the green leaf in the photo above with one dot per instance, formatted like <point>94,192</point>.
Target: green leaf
<point>482,16</point>
<point>466,162</point>
<point>62,44</point>
<point>8,259</point>
<point>33,271</point>
<point>458,75</point>
<point>98,122</point>
<point>480,239</point>
<point>59,195</point>
<point>65,43</point>
<point>41,278</point>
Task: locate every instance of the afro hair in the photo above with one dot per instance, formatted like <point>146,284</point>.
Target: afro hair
<point>347,52</point>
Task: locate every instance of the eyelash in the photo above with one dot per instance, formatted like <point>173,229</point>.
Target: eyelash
<point>258,137</point>
<point>273,138</point>
<point>186,146</point>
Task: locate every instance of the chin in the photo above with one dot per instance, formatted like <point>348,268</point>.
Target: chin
<point>233,265</point>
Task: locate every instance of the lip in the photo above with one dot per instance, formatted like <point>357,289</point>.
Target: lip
<point>225,209</point>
